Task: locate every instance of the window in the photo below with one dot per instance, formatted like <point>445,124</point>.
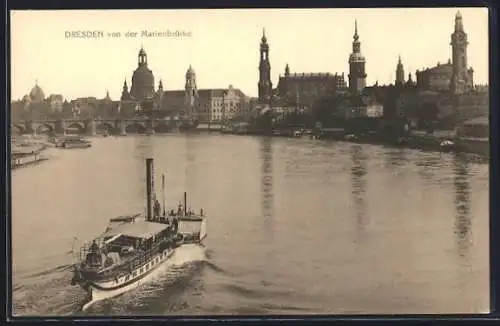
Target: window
<point>127,278</point>
<point>134,274</point>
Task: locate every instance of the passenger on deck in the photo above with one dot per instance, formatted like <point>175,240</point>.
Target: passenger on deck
<point>94,248</point>
<point>179,210</point>
<point>172,212</point>
<point>175,224</point>
<point>201,212</point>
<point>94,255</point>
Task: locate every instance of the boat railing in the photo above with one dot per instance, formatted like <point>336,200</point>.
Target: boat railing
<point>127,265</point>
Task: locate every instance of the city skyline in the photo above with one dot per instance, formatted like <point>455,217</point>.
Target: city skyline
<point>222,54</point>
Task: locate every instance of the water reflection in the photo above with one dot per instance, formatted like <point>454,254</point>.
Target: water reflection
<point>462,190</point>
<point>358,185</point>
<point>427,164</point>
<point>267,198</point>
<point>396,157</point>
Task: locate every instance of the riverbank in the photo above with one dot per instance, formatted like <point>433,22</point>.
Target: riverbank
<point>438,141</point>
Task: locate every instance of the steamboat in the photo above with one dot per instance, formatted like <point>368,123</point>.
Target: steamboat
<point>133,246</point>
<point>20,158</point>
<point>72,142</point>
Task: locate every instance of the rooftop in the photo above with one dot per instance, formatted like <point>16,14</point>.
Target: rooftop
<point>312,75</point>
<point>139,229</point>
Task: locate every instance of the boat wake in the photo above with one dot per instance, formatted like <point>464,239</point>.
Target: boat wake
<point>184,255</point>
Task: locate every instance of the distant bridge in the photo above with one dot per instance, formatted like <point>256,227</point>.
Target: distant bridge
<point>112,126</point>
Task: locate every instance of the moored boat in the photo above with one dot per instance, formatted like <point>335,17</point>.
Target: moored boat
<point>24,158</point>
<point>72,142</point>
<point>132,246</point>
<point>474,145</point>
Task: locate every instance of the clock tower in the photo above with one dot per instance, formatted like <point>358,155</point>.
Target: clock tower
<point>357,75</point>
<point>462,75</point>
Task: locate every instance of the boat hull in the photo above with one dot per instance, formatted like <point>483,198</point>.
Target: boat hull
<point>74,145</point>
<point>99,289</point>
<point>26,160</point>
<point>476,146</point>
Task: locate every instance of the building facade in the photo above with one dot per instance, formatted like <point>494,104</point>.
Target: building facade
<point>203,104</point>
<point>36,105</point>
<point>294,90</point>
<point>454,76</point>
<point>306,88</point>
<point>208,105</point>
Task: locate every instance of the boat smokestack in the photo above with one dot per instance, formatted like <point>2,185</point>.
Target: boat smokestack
<point>149,188</point>
<point>185,203</point>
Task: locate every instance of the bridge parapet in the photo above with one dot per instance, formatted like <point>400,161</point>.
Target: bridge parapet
<point>91,125</point>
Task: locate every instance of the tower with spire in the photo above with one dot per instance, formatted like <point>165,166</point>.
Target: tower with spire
<point>287,70</point>
<point>160,88</point>
<point>125,94</point>
<point>191,91</point>
<point>357,75</point>
<point>265,85</point>
<point>462,76</point>
<point>400,73</point>
<point>159,95</point>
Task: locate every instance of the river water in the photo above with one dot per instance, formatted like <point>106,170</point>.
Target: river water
<point>296,226</point>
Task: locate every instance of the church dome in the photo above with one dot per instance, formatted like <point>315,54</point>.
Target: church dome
<point>142,83</point>
<point>37,94</point>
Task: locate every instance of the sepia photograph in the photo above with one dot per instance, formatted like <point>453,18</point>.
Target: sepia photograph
<point>235,162</point>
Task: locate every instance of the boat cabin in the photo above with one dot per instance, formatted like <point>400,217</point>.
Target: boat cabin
<point>125,242</point>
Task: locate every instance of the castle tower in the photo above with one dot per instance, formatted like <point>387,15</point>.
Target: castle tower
<point>400,73</point>
<point>265,85</point>
<point>357,75</point>
<point>462,76</point>
<point>191,91</point>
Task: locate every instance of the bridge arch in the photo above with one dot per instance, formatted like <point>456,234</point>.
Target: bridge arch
<point>163,126</point>
<point>80,127</point>
<point>105,126</point>
<point>135,127</point>
<point>44,128</point>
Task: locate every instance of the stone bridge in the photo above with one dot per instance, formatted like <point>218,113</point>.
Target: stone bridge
<point>94,126</point>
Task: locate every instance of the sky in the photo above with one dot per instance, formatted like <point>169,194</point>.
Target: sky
<point>222,46</point>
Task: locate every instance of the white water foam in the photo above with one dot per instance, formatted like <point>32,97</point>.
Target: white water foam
<point>182,255</point>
